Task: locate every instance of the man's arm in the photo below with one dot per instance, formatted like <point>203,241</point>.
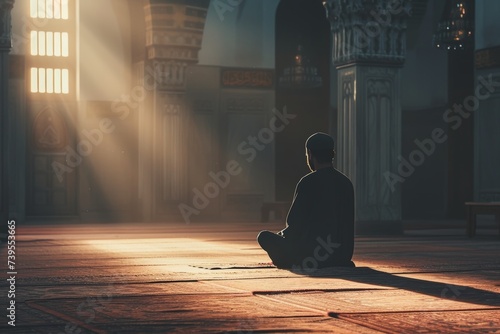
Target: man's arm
<point>347,221</point>
<point>300,211</point>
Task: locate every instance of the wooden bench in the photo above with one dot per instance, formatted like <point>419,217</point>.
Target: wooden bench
<point>474,208</point>
<point>280,210</point>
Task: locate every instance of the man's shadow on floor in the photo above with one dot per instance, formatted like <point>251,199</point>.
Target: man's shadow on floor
<point>442,290</point>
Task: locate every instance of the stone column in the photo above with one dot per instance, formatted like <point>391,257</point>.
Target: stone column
<point>174,33</point>
<point>368,51</point>
<point>484,105</point>
<point>5,46</point>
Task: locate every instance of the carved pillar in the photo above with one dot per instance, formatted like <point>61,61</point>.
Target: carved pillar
<point>368,50</point>
<point>486,113</point>
<point>174,32</point>
<point>5,46</point>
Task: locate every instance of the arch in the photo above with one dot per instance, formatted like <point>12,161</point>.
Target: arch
<point>298,23</point>
<point>50,131</point>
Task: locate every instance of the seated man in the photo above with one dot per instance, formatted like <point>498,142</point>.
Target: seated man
<point>320,224</point>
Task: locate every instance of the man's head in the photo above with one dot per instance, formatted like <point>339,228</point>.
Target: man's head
<point>320,151</point>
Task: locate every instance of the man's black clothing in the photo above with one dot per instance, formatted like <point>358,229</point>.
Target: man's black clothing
<point>320,223</point>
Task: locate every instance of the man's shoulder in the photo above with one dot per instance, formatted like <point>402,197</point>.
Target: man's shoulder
<point>323,175</point>
<point>342,176</point>
<point>344,181</point>
<point>308,175</point>
<point>325,171</point>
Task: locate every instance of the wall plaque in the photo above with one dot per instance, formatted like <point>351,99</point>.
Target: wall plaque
<point>247,78</point>
<point>488,58</point>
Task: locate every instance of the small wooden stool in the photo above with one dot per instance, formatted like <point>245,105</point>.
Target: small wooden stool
<point>280,210</point>
<point>474,208</point>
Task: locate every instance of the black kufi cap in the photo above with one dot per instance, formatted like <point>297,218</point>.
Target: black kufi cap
<point>320,141</point>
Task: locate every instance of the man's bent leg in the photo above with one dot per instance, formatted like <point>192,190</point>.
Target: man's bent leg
<point>277,248</point>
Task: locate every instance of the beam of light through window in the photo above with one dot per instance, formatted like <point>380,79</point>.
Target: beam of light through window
<point>57,9</point>
<point>50,9</point>
<point>49,37</point>
<point>57,44</point>
<point>41,80</point>
<point>64,9</point>
<point>41,43</point>
<point>57,83</point>
<point>34,43</point>
<point>34,8</point>
<point>65,44</point>
<point>48,43</point>
<point>65,81</point>
<point>41,9</point>
<point>50,80</point>
<point>34,80</point>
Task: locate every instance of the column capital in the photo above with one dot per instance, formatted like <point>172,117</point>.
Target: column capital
<point>5,24</point>
<point>175,31</point>
<point>368,31</point>
<point>174,34</point>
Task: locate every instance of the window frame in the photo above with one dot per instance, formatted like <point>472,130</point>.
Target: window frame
<point>69,63</point>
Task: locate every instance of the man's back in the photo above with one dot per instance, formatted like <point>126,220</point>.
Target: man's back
<point>323,207</point>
